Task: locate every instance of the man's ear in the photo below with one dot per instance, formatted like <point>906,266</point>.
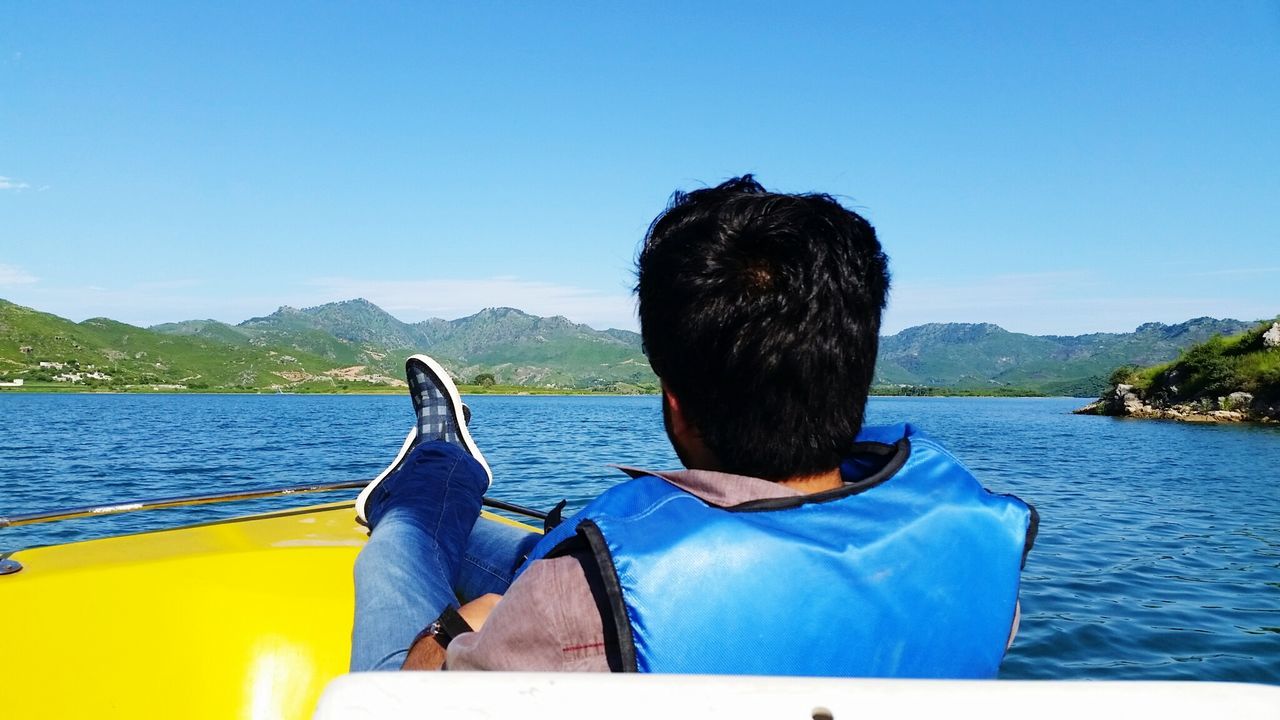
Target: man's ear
<point>685,436</point>
<point>680,427</point>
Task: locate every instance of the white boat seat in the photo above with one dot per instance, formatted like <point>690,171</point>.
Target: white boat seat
<point>571,696</point>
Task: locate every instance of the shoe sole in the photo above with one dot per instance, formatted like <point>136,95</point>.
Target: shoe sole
<point>468,444</point>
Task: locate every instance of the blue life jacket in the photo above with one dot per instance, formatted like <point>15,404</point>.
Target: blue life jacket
<point>911,569</point>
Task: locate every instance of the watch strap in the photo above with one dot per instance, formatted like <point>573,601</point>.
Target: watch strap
<point>445,628</point>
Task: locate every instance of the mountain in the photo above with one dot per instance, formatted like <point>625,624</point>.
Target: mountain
<point>516,347</point>
<point>359,323</point>
<point>358,344</point>
<point>984,356</point>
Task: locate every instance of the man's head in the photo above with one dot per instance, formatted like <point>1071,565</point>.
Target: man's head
<point>760,312</point>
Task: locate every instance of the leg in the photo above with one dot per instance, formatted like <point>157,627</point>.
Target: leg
<point>421,517</point>
<point>489,563</point>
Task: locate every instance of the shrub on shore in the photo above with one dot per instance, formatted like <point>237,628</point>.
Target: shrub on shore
<point>1216,368</point>
<point>1238,374</point>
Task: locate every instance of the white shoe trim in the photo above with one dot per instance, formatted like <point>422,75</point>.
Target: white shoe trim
<point>363,497</point>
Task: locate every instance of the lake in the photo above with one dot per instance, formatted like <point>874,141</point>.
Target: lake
<point>1159,547</point>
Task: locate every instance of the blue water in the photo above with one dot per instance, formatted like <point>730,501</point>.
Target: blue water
<point>1159,548</point>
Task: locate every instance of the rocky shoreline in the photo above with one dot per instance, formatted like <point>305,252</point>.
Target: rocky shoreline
<point>1123,401</point>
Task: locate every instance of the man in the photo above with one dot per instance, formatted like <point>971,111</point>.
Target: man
<point>796,541</point>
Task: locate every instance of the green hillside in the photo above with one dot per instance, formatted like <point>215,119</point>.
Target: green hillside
<point>1222,378</point>
<point>345,346</point>
<point>46,350</point>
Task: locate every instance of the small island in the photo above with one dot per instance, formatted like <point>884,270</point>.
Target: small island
<point>1225,379</point>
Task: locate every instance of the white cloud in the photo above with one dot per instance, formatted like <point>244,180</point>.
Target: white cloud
<point>8,183</point>
<point>412,300</point>
<point>14,275</point>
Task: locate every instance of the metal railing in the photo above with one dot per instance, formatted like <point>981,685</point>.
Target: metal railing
<point>191,500</point>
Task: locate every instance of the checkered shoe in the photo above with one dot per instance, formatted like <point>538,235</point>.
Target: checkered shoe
<point>441,416</point>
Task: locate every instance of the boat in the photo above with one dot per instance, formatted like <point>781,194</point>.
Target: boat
<point>242,618</point>
<point>251,618</point>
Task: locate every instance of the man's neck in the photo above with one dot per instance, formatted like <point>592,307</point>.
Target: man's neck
<point>816,483</point>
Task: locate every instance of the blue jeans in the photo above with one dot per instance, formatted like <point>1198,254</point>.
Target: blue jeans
<point>426,551</point>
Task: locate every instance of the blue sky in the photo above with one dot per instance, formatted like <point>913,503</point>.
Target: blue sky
<point>1054,168</point>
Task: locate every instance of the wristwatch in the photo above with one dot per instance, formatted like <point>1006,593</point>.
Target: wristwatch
<point>445,628</point>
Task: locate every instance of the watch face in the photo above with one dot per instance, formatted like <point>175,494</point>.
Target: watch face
<point>430,631</point>
<point>441,635</point>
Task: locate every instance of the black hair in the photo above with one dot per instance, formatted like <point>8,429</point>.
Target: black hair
<point>761,311</point>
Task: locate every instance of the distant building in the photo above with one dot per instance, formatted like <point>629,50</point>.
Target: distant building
<point>17,382</point>
<point>76,377</point>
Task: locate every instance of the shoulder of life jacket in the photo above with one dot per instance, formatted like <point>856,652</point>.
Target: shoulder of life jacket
<point>911,569</point>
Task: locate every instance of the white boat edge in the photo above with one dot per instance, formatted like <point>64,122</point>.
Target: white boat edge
<point>568,696</point>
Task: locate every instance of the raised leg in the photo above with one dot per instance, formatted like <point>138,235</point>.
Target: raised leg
<point>421,518</point>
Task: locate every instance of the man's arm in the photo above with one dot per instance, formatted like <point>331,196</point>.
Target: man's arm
<point>427,654</point>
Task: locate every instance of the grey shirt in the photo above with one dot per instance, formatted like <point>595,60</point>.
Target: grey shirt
<point>549,619</point>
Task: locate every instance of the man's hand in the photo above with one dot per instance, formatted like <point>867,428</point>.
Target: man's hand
<point>426,654</point>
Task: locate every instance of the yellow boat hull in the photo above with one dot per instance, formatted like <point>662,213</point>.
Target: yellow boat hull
<point>251,618</point>
<point>246,618</point>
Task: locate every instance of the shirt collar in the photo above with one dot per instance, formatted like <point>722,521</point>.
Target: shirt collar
<point>717,488</point>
